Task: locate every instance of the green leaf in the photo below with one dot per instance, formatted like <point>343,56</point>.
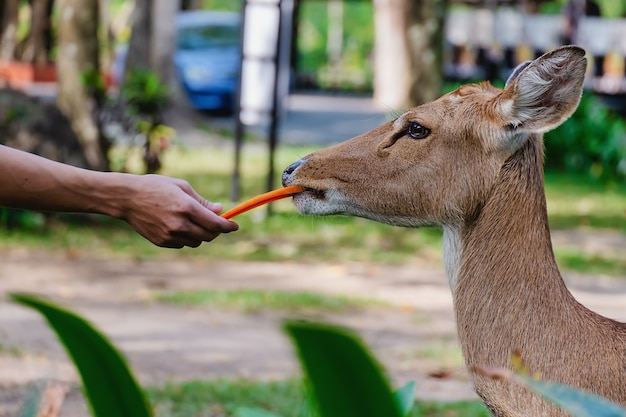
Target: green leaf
<point>405,398</point>
<point>577,403</point>
<point>253,412</point>
<point>108,383</point>
<point>344,378</point>
<point>32,400</point>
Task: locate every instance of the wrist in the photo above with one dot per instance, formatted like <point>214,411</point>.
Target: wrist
<point>113,192</point>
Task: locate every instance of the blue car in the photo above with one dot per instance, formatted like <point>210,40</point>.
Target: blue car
<point>207,58</point>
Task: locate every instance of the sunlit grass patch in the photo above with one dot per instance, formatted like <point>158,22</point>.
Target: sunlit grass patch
<point>446,353</point>
<point>591,263</point>
<point>252,301</point>
<point>575,201</point>
<point>223,397</point>
<point>284,398</point>
<point>10,350</point>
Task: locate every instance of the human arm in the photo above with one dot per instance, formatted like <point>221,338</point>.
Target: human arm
<point>166,211</point>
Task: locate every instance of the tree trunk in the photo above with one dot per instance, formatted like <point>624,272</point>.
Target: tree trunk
<point>408,51</point>
<point>8,29</point>
<point>78,54</point>
<point>139,47</point>
<point>334,43</point>
<point>190,5</point>
<point>153,38</point>
<point>105,34</point>
<point>425,37</point>
<point>33,48</point>
<point>391,63</point>
<point>164,39</point>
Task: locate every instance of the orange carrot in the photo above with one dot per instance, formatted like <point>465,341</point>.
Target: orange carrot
<point>261,199</point>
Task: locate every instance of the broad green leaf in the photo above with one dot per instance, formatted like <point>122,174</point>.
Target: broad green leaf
<point>109,385</point>
<point>577,403</point>
<point>405,397</point>
<point>344,378</point>
<point>253,412</point>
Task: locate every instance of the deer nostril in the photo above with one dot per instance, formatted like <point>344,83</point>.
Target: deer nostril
<point>289,170</point>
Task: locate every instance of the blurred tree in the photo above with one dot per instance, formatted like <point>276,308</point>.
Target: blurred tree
<point>78,59</point>
<point>153,38</point>
<point>8,29</point>
<point>35,47</point>
<point>408,51</point>
<point>138,56</point>
<point>190,4</point>
<point>148,68</point>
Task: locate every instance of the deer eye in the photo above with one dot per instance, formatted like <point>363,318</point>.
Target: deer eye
<point>417,131</point>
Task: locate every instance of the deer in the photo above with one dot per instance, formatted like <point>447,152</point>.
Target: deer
<point>471,162</point>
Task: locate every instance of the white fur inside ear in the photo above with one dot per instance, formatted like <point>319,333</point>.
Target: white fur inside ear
<point>516,114</point>
<point>532,89</point>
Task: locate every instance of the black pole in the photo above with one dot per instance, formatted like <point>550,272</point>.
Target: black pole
<point>235,190</point>
<point>273,130</point>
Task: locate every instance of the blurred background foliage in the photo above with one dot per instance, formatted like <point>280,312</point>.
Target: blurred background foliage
<point>592,142</point>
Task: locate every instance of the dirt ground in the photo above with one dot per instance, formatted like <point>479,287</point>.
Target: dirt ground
<point>165,343</point>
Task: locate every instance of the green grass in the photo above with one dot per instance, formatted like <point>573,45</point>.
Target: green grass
<point>446,353</point>
<point>10,350</point>
<point>590,263</point>
<point>573,202</point>
<point>576,201</point>
<point>284,398</point>
<point>254,301</point>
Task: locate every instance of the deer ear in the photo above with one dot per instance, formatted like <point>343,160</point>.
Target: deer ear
<point>542,94</point>
<point>516,72</point>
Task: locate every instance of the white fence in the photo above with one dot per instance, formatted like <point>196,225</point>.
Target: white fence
<point>483,43</point>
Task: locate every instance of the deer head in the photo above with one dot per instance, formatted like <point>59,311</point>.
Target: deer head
<point>436,163</point>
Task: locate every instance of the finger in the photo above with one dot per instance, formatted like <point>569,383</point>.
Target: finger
<point>179,244</point>
<point>214,207</point>
<point>182,240</point>
<point>195,234</point>
<point>210,221</point>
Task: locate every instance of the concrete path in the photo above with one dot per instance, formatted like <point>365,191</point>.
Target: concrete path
<point>309,119</point>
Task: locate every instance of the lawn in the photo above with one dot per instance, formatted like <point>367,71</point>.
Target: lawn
<point>253,301</point>
<point>573,203</point>
<point>288,399</point>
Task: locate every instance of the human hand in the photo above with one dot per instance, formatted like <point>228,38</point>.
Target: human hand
<point>170,213</point>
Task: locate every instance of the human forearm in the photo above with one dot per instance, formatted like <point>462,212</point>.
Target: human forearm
<point>32,182</point>
<point>166,211</point>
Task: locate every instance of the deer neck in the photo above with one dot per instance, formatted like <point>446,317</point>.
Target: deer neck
<point>501,265</point>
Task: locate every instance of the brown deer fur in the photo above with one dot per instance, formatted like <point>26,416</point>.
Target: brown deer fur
<point>478,172</point>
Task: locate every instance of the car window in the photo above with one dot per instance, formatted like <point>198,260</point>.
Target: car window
<point>208,37</point>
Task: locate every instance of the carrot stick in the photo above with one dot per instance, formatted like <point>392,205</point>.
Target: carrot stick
<point>261,199</point>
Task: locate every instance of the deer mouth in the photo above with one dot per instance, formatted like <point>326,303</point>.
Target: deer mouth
<point>308,196</point>
<point>315,193</point>
<point>322,202</point>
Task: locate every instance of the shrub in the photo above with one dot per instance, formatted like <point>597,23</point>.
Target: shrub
<point>592,142</point>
